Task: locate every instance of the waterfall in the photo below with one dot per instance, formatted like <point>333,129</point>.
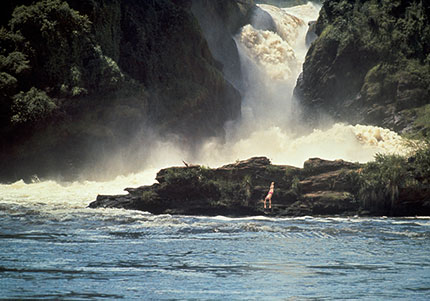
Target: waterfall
<point>272,50</point>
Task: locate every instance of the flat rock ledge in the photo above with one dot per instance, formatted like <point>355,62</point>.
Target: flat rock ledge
<point>321,187</point>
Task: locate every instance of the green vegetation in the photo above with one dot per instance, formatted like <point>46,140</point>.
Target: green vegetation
<point>48,52</point>
<point>371,60</point>
<point>391,30</point>
<point>295,186</point>
<point>420,162</point>
<point>419,119</point>
<point>199,183</point>
<point>183,176</point>
<point>79,76</point>
<point>381,182</point>
<point>31,106</point>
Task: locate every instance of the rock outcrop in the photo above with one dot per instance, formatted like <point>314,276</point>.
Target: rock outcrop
<point>370,64</point>
<point>320,188</point>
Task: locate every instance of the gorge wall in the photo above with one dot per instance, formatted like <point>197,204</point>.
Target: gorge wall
<point>370,64</point>
<point>83,78</point>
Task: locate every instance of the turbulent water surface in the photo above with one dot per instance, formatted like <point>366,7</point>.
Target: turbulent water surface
<point>52,246</point>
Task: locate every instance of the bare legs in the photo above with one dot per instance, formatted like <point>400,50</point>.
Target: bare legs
<point>270,202</point>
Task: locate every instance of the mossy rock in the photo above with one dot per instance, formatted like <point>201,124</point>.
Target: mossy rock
<point>370,61</point>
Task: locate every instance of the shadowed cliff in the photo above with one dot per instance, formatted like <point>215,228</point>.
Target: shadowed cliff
<point>78,78</point>
<point>370,64</point>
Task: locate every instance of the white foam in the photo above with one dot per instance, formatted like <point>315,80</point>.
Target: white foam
<point>273,54</point>
<point>352,143</point>
<point>60,197</point>
<point>271,63</point>
<point>307,12</point>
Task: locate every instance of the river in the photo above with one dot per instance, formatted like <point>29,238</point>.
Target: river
<point>58,249</point>
<point>53,247</point>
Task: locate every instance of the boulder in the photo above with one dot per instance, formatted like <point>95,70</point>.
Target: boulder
<point>318,166</point>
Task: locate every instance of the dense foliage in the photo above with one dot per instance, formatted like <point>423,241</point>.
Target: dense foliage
<point>31,106</point>
<point>371,61</point>
<point>78,76</point>
<point>48,52</point>
<point>390,178</point>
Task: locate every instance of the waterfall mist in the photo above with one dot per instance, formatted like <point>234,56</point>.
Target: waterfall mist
<point>272,50</point>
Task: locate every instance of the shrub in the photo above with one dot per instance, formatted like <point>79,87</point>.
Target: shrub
<point>7,83</point>
<point>9,41</point>
<point>421,163</point>
<point>31,106</point>
<point>15,62</point>
<point>380,180</point>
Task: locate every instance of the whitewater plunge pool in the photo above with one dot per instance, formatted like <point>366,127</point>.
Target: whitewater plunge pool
<point>117,254</point>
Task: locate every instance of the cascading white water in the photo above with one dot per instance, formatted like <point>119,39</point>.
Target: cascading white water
<point>271,63</point>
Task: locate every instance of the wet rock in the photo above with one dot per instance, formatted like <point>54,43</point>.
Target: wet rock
<point>262,20</point>
<point>311,34</point>
<point>331,202</point>
<point>238,189</point>
<point>322,187</point>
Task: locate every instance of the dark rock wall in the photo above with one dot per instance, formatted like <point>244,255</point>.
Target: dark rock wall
<point>80,77</point>
<point>220,21</point>
<point>370,63</point>
<point>162,46</point>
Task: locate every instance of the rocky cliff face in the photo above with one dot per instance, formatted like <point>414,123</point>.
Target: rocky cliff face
<point>80,76</point>
<point>321,187</point>
<point>220,21</point>
<point>370,64</point>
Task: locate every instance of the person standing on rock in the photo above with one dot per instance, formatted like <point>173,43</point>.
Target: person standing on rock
<point>269,195</point>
